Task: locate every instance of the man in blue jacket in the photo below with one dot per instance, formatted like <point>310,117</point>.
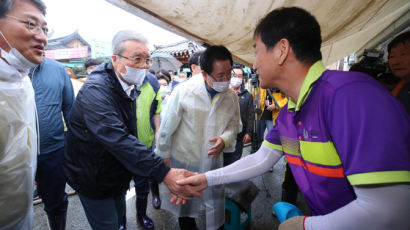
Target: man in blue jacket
<point>103,150</point>
<point>54,95</point>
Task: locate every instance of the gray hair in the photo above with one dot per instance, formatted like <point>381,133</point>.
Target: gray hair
<point>125,35</point>
<point>7,5</point>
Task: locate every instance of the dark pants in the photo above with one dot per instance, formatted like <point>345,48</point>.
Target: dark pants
<point>230,157</point>
<point>289,187</point>
<point>141,186</point>
<point>188,223</point>
<point>104,214</point>
<point>51,183</point>
<point>265,124</point>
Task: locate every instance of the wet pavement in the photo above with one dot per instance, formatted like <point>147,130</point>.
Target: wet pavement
<point>269,185</point>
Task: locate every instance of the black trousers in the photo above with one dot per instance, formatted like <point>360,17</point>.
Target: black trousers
<point>230,157</point>
<point>188,223</point>
<point>51,182</point>
<point>289,187</point>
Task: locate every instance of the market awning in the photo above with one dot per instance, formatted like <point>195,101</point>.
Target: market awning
<point>347,26</point>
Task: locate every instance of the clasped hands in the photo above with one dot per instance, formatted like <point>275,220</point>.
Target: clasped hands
<point>184,184</point>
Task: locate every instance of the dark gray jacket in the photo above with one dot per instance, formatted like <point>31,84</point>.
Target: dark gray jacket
<point>247,114</point>
<point>102,150</point>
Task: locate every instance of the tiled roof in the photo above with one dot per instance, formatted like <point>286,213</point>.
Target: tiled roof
<point>61,42</point>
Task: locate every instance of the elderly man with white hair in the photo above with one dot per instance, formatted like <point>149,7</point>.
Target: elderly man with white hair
<point>103,151</point>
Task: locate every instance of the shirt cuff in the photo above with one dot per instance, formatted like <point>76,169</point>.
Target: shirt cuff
<point>226,141</point>
<point>163,154</point>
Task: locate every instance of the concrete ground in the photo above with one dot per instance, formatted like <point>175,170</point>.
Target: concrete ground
<point>269,185</point>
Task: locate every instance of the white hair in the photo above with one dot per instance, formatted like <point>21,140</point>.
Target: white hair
<point>125,35</point>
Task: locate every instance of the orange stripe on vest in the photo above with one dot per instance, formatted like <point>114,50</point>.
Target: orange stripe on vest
<point>327,172</point>
<point>295,161</point>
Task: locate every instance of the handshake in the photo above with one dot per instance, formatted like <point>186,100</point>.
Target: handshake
<point>184,185</point>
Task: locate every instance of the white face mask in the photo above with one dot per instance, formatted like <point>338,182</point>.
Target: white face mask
<point>164,91</point>
<point>134,76</point>
<point>236,81</point>
<point>16,59</point>
<point>220,86</point>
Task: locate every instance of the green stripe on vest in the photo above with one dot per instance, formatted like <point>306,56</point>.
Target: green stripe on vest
<point>290,145</point>
<point>381,177</point>
<point>144,101</point>
<point>323,153</point>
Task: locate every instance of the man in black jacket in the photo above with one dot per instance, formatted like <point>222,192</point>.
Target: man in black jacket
<point>102,148</point>
<point>246,108</point>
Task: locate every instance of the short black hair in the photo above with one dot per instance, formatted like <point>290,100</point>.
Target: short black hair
<point>399,39</point>
<point>165,73</point>
<point>194,59</point>
<point>163,77</point>
<point>298,26</point>
<point>238,67</point>
<point>211,54</point>
<point>91,62</point>
<point>7,5</point>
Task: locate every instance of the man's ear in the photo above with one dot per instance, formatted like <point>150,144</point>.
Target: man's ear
<point>284,49</point>
<point>204,75</point>
<point>113,58</point>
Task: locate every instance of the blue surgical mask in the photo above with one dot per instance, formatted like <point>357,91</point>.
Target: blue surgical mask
<point>134,76</point>
<point>16,59</point>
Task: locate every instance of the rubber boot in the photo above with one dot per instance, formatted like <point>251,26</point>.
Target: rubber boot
<point>187,223</point>
<point>142,217</point>
<point>123,224</point>
<point>57,222</point>
<point>156,201</point>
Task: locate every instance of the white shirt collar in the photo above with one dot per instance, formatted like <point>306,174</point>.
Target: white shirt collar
<point>127,88</point>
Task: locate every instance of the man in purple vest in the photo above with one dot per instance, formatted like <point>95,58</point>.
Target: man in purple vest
<point>349,157</point>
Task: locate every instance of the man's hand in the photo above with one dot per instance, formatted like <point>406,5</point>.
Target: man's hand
<point>197,182</point>
<point>217,148</point>
<point>247,138</point>
<point>294,223</point>
<point>271,107</point>
<point>184,192</point>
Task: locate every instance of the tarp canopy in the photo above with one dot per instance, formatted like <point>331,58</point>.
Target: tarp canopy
<point>347,26</point>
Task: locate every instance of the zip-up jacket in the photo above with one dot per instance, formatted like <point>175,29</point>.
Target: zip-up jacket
<point>102,150</point>
<point>54,95</point>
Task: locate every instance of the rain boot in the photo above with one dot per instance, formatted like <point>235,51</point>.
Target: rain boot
<point>187,223</point>
<point>142,217</point>
<point>123,224</point>
<point>156,201</point>
<point>57,222</point>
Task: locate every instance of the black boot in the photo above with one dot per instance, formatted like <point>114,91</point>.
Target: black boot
<point>142,217</point>
<point>57,221</point>
<point>187,223</point>
<point>156,201</point>
<point>123,224</point>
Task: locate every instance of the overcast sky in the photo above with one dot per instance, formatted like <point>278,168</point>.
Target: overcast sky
<point>98,19</point>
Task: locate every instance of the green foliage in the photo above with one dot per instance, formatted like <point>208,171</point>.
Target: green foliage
<point>79,70</point>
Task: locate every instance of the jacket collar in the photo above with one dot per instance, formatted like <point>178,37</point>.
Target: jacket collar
<point>315,71</point>
<point>115,83</point>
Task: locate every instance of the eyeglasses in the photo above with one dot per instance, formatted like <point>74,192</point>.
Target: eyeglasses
<point>137,60</point>
<point>32,27</point>
<point>223,77</point>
